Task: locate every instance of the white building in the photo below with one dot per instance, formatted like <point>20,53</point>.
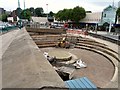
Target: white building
<point>109,15</point>
<point>40,19</point>
<point>118,7</point>
<point>11,19</point>
<point>2,11</point>
<point>119,4</point>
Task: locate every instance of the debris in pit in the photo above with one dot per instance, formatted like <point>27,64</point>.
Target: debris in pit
<point>80,64</point>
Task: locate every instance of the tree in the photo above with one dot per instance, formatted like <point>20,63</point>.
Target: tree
<point>58,15</point>
<point>118,12</point>
<point>50,16</point>
<point>18,12</point>
<point>75,14</point>
<point>67,14</point>
<point>78,13</point>
<point>32,10</point>
<point>25,14</point>
<point>39,11</point>
<point>3,17</point>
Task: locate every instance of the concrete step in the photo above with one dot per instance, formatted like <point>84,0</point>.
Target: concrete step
<point>107,51</point>
<point>110,58</point>
<point>98,45</point>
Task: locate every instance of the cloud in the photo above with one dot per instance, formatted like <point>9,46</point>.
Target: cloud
<point>56,5</point>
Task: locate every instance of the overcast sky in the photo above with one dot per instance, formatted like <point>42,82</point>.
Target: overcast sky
<point>56,5</point>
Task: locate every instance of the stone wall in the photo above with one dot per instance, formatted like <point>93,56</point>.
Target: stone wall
<point>46,30</point>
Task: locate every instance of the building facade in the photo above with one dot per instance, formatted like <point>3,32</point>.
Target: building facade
<point>109,15</point>
<point>94,18</point>
<point>119,17</point>
<point>119,4</point>
<point>2,11</point>
<point>91,20</point>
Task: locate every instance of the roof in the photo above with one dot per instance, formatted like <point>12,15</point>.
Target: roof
<point>113,7</point>
<point>92,17</point>
<point>80,83</point>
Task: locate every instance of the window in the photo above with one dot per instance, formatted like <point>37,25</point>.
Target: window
<point>104,15</point>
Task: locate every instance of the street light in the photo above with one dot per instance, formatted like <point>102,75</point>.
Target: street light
<point>47,9</point>
<point>110,26</point>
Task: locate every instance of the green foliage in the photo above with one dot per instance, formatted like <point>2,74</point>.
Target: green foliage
<point>3,17</point>
<point>78,13</point>
<point>75,14</point>
<point>32,10</point>
<point>118,12</point>
<point>0,17</point>
<point>18,12</point>
<point>50,16</point>
<point>26,14</point>
<point>58,15</point>
<point>39,11</point>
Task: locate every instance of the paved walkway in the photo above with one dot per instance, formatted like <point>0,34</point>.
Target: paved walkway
<point>107,34</point>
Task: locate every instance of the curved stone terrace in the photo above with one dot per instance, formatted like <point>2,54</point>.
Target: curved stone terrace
<point>22,59</point>
<point>99,55</point>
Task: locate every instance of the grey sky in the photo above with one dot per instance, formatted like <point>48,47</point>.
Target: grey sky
<point>56,5</point>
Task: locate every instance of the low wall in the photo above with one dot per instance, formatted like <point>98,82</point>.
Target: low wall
<point>46,30</point>
<point>106,38</point>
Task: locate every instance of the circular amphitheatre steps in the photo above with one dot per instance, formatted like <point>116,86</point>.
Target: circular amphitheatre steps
<point>101,60</point>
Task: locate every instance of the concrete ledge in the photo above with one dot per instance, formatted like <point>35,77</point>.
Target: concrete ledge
<point>46,30</point>
<point>60,55</point>
<point>24,66</point>
<point>116,41</point>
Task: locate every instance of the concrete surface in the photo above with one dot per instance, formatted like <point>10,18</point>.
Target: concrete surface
<point>5,41</point>
<point>116,48</point>
<point>60,54</point>
<point>107,34</point>
<point>97,69</point>
<point>0,62</point>
<point>24,66</point>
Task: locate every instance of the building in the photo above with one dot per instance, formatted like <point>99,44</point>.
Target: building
<point>109,15</point>
<point>119,4</point>
<point>2,11</point>
<point>119,17</point>
<point>91,20</point>
<point>40,19</point>
<point>11,19</point>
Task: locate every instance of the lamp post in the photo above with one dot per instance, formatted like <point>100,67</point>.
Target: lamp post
<point>47,10</point>
<point>110,27</point>
<point>47,14</point>
<point>96,28</point>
